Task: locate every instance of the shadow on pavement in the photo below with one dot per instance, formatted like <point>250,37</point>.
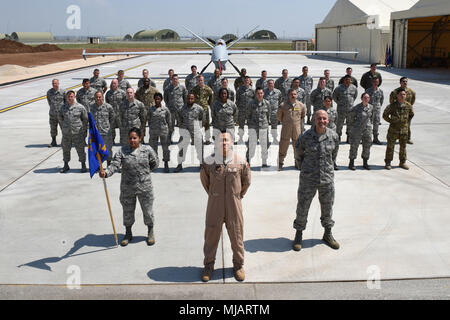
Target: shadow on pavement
<point>104,241</point>
<point>48,170</point>
<point>38,146</point>
<point>311,243</point>
<point>268,245</point>
<point>181,274</point>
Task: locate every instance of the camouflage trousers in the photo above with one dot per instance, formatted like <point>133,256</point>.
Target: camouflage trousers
<point>342,114</point>
<point>128,201</point>
<point>242,117</point>
<point>164,138</point>
<point>53,120</point>
<point>355,139</point>
<point>187,136</point>
<point>206,123</point>
<point>108,140</point>
<point>175,121</point>
<point>114,126</point>
<point>73,139</point>
<point>255,135</point>
<point>305,194</point>
<point>308,105</point>
<point>391,139</point>
<point>273,120</point>
<point>377,119</point>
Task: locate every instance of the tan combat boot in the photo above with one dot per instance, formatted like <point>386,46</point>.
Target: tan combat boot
<point>150,236</point>
<point>239,273</point>
<point>297,245</point>
<point>403,165</point>
<point>127,238</point>
<point>207,272</point>
<point>328,238</point>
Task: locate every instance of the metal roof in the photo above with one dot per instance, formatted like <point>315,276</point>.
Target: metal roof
<point>424,8</point>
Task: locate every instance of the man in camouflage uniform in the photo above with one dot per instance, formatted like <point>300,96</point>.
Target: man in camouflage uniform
<point>329,82</point>
<point>301,95</point>
<point>262,82</point>
<point>318,95</point>
<point>86,95</point>
<point>273,96</point>
<point>191,79</point>
<point>159,124</point>
<point>360,120</point>
<point>145,95</point>
<point>104,117</point>
<point>168,81</point>
<point>366,79</point>
<point>55,99</point>
<point>349,72</point>
<point>344,96</point>
<point>115,97</point>
<point>73,119</point>
<point>306,83</point>
<point>244,95</point>
<point>283,84</point>
<point>191,116</point>
<point>258,124</point>
<point>123,83</point>
<point>410,98</point>
<point>291,114</point>
<point>99,84</point>
<point>314,154</point>
<point>132,115</point>
<point>204,96</point>
<point>398,115</point>
<point>376,100</point>
<point>215,83</point>
<point>145,74</point>
<point>241,80</point>
<point>224,84</point>
<point>175,98</point>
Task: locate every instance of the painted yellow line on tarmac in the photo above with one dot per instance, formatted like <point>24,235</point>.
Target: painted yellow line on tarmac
<point>74,87</point>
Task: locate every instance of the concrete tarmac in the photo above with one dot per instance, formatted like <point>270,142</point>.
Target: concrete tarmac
<point>391,224</point>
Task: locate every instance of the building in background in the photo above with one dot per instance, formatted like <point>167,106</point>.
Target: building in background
<point>155,35</point>
<point>263,35</point>
<point>362,25</point>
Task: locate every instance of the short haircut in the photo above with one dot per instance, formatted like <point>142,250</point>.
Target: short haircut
<point>322,78</point>
<point>158,94</point>
<point>400,90</point>
<point>120,71</point>
<point>136,130</point>
<point>194,66</point>
<point>349,68</point>
<point>326,70</point>
<point>347,77</point>
<point>296,79</point>
<point>328,98</point>
<point>175,75</point>
<point>70,92</point>
<point>86,80</point>
<point>96,70</point>
<point>263,71</point>
<point>290,90</point>
<point>246,77</point>
<point>270,80</point>
<point>170,70</point>
<point>224,79</point>
<point>284,70</point>
<point>403,78</point>
<point>305,67</point>
<point>55,80</point>
<point>373,64</point>
<point>259,88</point>
<point>364,93</point>
<point>98,91</point>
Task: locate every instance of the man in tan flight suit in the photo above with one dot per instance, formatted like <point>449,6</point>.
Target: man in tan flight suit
<point>291,114</point>
<point>226,178</point>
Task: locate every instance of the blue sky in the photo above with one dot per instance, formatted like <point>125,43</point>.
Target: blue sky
<point>119,17</point>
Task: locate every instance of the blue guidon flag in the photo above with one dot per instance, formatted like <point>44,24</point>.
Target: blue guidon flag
<point>96,144</point>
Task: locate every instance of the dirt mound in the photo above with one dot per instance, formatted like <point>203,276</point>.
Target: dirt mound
<point>11,46</point>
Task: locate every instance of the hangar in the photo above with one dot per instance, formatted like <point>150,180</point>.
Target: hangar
<point>164,34</point>
<point>32,36</point>
<point>229,36</point>
<point>263,35</point>
<point>421,35</point>
<point>359,25</point>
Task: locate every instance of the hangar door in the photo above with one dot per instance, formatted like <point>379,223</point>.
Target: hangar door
<point>428,42</point>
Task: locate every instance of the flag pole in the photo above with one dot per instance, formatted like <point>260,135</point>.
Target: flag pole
<point>107,198</point>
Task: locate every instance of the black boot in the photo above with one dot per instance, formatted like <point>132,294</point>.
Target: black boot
<point>65,168</point>
<point>351,165</point>
<point>108,162</point>
<point>335,166</point>
<point>297,245</point>
<point>348,139</point>
<point>366,165</point>
<point>83,167</point>
<point>127,238</point>
<point>166,166</point>
<point>375,139</point>
<point>178,168</point>
<point>53,143</point>
<point>329,239</point>
<point>150,236</point>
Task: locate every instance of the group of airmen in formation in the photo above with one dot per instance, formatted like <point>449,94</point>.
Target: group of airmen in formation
<point>224,175</point>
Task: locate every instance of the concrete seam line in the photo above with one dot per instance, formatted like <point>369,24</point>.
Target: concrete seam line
<point>15,180</point>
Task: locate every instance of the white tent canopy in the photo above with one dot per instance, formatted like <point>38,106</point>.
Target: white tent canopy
<point>424,8</point>
<point>352,12</point>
